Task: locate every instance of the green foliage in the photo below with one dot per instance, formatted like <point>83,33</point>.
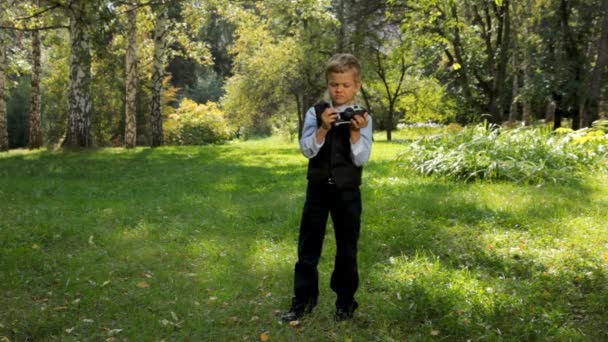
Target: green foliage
<point>520,155</point>
<point>54,86</point>
<point>427,102</point>
<point>196,124</point>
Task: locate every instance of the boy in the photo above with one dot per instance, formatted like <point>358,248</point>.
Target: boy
<point>336,153</point>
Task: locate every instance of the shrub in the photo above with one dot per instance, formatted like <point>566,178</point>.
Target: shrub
<point>196,124</point>
<point>519,155</point>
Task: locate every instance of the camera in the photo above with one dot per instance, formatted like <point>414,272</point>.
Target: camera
<point>348,113</point>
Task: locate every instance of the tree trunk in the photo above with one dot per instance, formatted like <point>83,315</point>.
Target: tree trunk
<point>463,70</point>
<point>131,84</point>
<point>504,28</point>
<point>158,72</point>
<point>527,107</point>
<point>591,109</point>
<point>368,104</point>
<point>300,112</point>
<point>389,122</point>
<point>513,112</point>
<point>78,130</point>
<point>3,62</point>
<point>35,139</point>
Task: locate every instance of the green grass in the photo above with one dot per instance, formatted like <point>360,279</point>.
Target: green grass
<point>198,243</point>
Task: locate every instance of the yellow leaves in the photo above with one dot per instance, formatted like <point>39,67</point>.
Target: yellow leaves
<point>265,336</point>
<point>435,332</point>
<point>606,257</point>
<point>456,66</point>
<point>143,285</point>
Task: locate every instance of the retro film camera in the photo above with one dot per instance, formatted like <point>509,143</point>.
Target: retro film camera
<point>347,114</point>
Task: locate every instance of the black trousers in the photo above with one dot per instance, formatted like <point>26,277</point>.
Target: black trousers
<point>344,205</point>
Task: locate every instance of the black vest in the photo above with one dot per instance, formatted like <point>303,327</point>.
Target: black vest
<point>334,160</point>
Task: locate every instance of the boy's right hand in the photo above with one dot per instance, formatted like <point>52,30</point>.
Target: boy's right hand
<point>328,117</point>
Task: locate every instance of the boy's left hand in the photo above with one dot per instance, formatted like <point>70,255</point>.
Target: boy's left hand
<point>358,122</point>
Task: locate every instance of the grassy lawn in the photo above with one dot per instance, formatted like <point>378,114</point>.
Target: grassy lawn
<point>199,243</point>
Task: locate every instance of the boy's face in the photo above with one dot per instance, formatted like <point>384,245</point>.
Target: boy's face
<point>342,87</point>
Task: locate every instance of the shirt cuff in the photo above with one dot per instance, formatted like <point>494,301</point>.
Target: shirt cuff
<point>314,141</point>
<point>357,147</point>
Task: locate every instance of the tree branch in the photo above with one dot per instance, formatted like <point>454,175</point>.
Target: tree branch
<point>27,29</point>
<point>39,13</point>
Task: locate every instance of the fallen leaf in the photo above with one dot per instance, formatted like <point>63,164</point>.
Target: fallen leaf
<point>265,336</point>
<point>213,298</point>
<point>76,301</point>
<point>174,316</point>
<point>489,246</point>
<point>164,322</point>
<point>105,283</point>
<point>269,294</point>
<point>88,320</point>
<point>91,242</point>
<point>255,318</point>
<point>60,308</point>
<point>69,330</point>
<point>435,332</point>
<point>294,324</point>
<point>35,246</point>
<point>143,285</point>
<point>114,332</point>
<point>146,275</point>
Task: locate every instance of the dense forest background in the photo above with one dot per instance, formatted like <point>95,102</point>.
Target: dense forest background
<point>127,73</point>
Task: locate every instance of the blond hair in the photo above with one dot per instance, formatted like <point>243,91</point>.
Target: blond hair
<point>343,62</point>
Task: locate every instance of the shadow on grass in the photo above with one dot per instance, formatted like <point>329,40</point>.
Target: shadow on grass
<point>468,263</point>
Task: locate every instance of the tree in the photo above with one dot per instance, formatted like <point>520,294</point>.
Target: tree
<point>78,130</point>
<point>3,69</point>
<point>158,71</point>
<point>131,79</point>
<point>391,71</point>
<point>591,107</point>
<point>35,136</point>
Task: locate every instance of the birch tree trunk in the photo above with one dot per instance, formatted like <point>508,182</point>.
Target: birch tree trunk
<point>158,72</point>
<point>78,130</point>
<point>131,84</point>
<point>3,62</point>
<point>35,138</point>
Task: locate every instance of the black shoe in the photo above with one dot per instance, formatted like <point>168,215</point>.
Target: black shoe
<point>346,312</point>
<point>298,310</point>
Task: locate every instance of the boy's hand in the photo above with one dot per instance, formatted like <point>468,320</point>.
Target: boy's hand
<point>359,121</point>
<point>356,123</point>
<point>328,117</point>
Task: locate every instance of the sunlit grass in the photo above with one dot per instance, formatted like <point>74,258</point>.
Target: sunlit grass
<point>199,243</point>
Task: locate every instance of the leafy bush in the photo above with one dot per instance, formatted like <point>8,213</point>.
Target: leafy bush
<point>196,124</point>
<point>520,155</point>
